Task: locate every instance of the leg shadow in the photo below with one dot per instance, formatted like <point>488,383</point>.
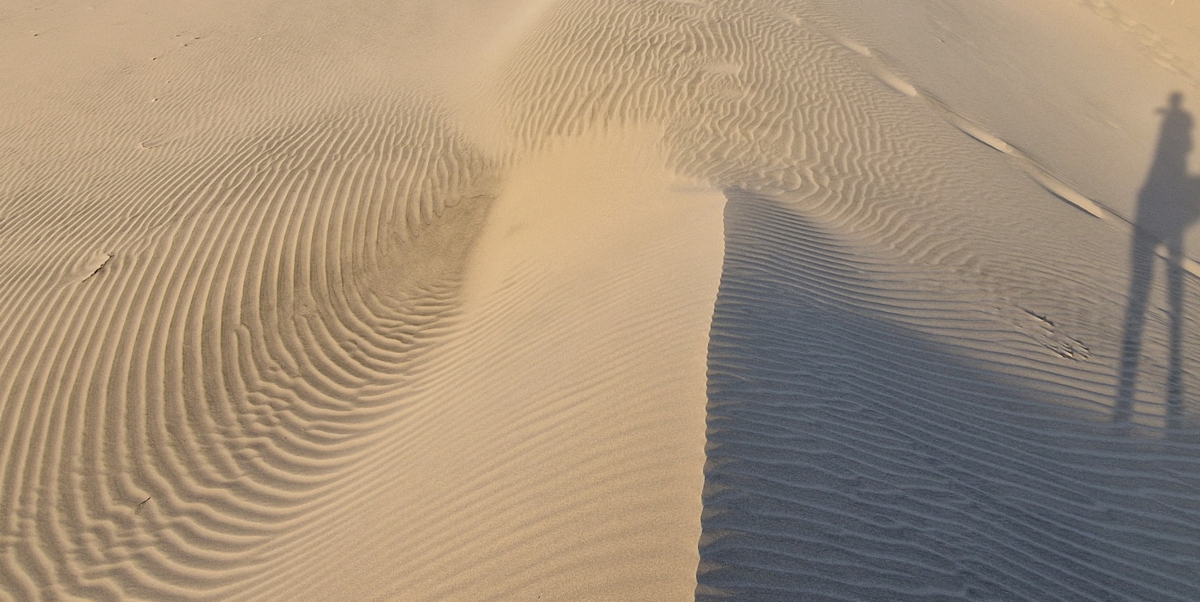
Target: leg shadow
<point>1140,280</point>
<point>1167,206</point>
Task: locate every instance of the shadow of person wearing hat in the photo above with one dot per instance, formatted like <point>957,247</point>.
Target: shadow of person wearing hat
<point>1168,204</point>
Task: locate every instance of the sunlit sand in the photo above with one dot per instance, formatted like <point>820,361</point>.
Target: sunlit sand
<point>599,300</point>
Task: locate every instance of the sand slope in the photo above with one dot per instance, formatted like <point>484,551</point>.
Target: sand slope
<point>433,300</point>
<point>238,344</point>
<point>530,459</point>
<point>898,432</point>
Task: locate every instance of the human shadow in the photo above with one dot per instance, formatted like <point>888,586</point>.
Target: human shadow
<point>1168,204</point>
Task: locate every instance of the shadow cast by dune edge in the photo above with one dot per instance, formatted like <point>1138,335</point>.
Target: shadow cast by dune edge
<point>852,457</point>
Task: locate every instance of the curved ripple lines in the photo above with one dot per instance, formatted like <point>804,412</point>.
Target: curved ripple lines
<point>173,412</point>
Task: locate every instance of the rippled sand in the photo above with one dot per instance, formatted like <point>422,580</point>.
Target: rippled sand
<point>599,300</point>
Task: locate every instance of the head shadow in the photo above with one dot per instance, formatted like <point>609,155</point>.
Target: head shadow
<point>1168,205</point>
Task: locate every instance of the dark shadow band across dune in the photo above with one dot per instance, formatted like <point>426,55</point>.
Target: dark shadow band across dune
<point>853,456</point>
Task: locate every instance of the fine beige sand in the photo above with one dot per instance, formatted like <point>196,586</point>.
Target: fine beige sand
<point>599,300</point>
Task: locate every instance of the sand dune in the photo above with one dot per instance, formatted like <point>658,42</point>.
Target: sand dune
<point>532,459</point>
<point>886,440</point>
<point>434,300</point>
<point>214,380</point>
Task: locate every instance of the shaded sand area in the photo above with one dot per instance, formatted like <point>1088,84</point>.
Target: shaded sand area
<point>599,300</point>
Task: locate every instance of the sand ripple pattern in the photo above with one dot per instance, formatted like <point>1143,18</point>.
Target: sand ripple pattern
<point>241,346</point>
<point>911,366</point>
<point>870,441</point>
<point>910,369</point>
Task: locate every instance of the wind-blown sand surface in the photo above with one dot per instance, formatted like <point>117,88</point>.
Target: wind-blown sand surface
<point>599,300</point>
